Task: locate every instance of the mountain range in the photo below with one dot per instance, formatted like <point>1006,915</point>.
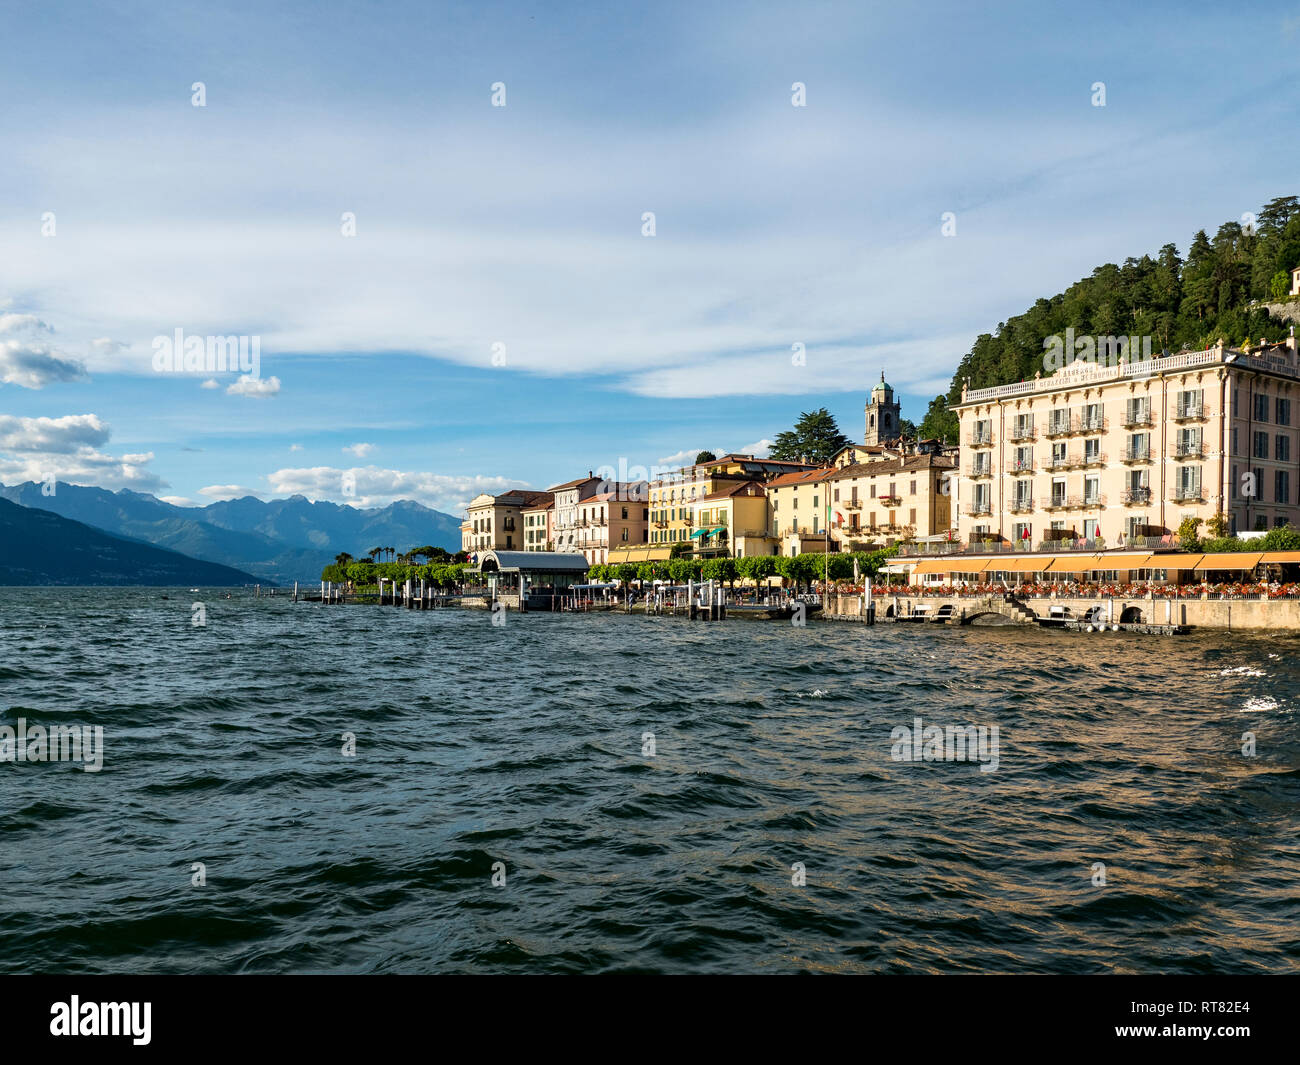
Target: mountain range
<point>278,541</point>
<point>38,547</point>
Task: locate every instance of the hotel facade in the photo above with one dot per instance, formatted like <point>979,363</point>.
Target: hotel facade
<point>1130,450</point>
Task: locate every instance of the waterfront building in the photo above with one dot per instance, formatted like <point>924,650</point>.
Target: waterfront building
<point>618,517</point>
<point>894,499</point>
<point>539,525</point>
<point>674,497</point>
<point>1094,453</point>
<point>564,519</point>
<point>495,522</point>
<point>733,521</point>
<point>797,510</point>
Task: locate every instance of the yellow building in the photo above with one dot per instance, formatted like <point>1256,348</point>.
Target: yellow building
<point>797,510</point>
<point>890,500</point>
<point>495,523</point>
<point>1131,449</point>
<point>733,521</point>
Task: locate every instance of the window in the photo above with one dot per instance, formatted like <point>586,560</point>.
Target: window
<point>1089,528</point>
<point>912,490</point>
<point>911,516</point>
<point>1058,491</point>
<point>1234,480</point>
<point>1092,419</point>
<point>1236,406</point>
<point>837,495</point>
<point>1189,403</point>
<point>1092,489</point>
<point>1023,530</point>
<point>1282,448</point>
<point>625,534</point>
<point>1283,411</point>
<point>1137,410</point>
<point>1261,407</point>
<point>1188,482</point>
<point>1234,441</point>
<point>625,513</point>
<point>1261,446</point>
<point>1024,459</point>
<point>1281,486</point>
<point>1139,446</point>
<point>1092,449</point>
<point>873,489</point>
<point>1058,454</point>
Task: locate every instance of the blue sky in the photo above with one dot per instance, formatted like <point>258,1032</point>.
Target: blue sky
<point>521,226</point>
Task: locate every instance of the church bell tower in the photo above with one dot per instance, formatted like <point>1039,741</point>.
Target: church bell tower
<point>883,413</point>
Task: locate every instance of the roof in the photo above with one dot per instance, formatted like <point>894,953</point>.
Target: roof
<point>623,492</point>
<point>927,461</point>
<point>536,561</point>
<point>573,484</point>
<point>543,504</point>
<point>787,480</point>
<point>520,497</point>
<point>748,488</point>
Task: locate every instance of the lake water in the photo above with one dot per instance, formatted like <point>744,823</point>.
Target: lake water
<point>526,745</point>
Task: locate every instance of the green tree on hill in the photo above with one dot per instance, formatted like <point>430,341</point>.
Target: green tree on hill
<point>815,438</point>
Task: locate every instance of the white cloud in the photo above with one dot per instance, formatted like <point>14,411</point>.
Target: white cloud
<point>64,435</point>
<point>257,387</point>
<point>227,491</point>
<point>295,447</point>
<point>210,383</point>
<point>360,450</point>
<point>759,449</point>
<point>180,501</point>
<point>379,487</point>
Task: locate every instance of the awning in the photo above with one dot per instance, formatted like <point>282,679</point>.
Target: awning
<point>1275,557</point>
<point>698,533</point>
<point>955,564</point>
<point>1175,561</point>
<point>1075,563</point>
<point>1130,561</point>
<point>1231,560</point>
<point>1014,564</point>
<point>717,529</point>
<point>934,565</point>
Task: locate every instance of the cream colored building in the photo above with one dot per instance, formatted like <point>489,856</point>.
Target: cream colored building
<point>890,500</point>
<point>616,518</point>
<point>797,510</point>
<point>1133,448</point>
<point>495,523</point>
<point>539,525</point>
<point>733,521</point>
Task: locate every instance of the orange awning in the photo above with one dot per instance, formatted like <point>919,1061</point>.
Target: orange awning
<point>1075,563</point>
<point>1122,561</point>
<point>1281,556</point>
<point>1021,564</point>
<point>1231,560</point>
<point>1175,561</point>
<point>952,564</point>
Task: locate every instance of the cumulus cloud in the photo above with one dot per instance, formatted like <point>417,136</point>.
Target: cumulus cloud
<point>28,360</point>
<point>760,449</point>
<point>179,501</point>
<point>360,450</point>
<point>376,487</point>
<point>257,387</point>
<point>64,435</point>
<point>210,383</point>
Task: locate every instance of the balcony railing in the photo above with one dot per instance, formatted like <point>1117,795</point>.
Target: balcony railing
<point>1137,495</point>
<point>979,439</point>
<point>891,501</point>
<point>979,471</point>
<point>979,507</point>
<point>1064,503</point>
<point>1189,451</point>
<point>1137,418</point>
<point>853,504</point>
<point>1022,465</point>
<point>1136,454</point>
<point>1096,459</point>
<point>1187,493</point>
<point>1062,462</point>
<point>1096,424</point>
<point>1060,427</point>
<point>1189,412</point>
<point>1024,432</point>
<point>1021,504</point>
<point>1093,501</point>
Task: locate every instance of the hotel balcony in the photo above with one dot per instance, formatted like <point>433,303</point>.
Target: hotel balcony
<point>891,501</point>
<point>979,471</point>
<point>853,504</point>
<point>1135,454</point>
<point>1093,501</point>
<point>1020,465</point>
<point>1024,432</point>
<point>1137,495</point>
<point>1064,503</point>
<point>1099,459</point>
<point>1137,419</point>
<point>1186,494</point>
<point>979,507</point>
<point>979,439</point>
<point>1189,451</point>
<point>1062,462</point>
<point>1062,427</point>
<point>1192,412</point>
<point>1098,424</point>
<point>1022,504</point>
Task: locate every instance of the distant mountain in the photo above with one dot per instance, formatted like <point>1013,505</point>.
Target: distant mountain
<point>279,541</point>
<point>40,547</point>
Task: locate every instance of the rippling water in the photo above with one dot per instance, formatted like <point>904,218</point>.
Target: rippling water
<point>523,745</point>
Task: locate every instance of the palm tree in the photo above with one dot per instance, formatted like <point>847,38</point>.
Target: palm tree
<point>374,553</point>
<point>342,558</point>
